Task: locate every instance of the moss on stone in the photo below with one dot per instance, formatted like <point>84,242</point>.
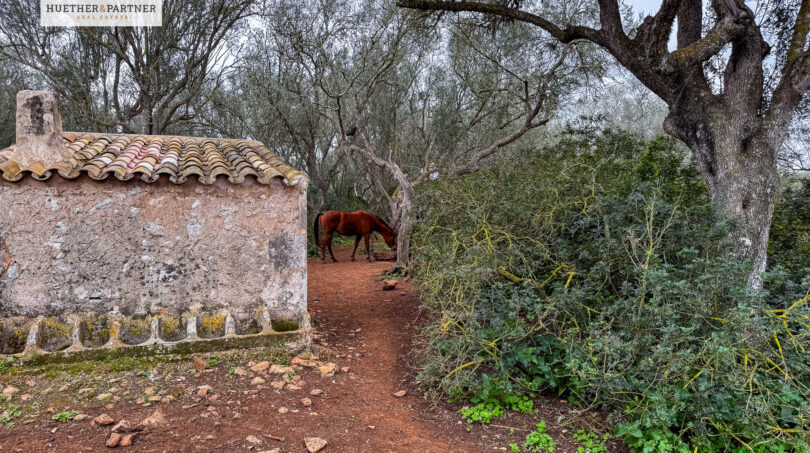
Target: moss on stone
<point>182,347</point>
<point>284,325</point>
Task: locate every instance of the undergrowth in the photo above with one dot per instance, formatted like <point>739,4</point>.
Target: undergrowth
<point>495,398</point>
<point>590,442</point>
<point>539,440</point>
<point>605,278</point>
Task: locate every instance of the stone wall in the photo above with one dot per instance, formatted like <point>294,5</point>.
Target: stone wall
<point>85,263</point>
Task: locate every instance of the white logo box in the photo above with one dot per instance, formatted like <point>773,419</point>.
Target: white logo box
<point>101,13</point>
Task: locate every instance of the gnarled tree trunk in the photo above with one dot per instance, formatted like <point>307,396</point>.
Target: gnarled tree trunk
<point>739,166</point>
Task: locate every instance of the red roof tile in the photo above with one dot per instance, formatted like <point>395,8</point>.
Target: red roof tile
<point>151,156</point>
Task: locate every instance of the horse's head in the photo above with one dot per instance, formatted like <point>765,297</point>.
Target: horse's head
<point>390,239</point>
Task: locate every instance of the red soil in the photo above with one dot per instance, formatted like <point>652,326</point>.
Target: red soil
<point>356,413</point>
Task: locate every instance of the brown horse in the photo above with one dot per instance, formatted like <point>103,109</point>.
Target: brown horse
<point>357,224</point>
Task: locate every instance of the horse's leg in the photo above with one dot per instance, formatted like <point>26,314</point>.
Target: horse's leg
<point>356,243</point>
<point>327,243</point>
<point>329,246</point>
<point>323,248</point>
<point>368,249</point>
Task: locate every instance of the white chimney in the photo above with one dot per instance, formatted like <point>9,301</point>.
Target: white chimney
<point>39,131</point>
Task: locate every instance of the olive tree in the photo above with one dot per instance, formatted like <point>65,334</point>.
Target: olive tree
<point>416,114</point>
<point>734,120</point>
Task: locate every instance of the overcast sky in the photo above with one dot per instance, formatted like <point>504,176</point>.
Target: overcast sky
<point>645,6</point>
<point>650,7</point>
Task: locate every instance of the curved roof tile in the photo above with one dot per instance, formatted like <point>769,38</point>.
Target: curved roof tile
<point>150,156</point>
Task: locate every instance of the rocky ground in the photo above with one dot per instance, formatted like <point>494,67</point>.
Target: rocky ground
<point>353,392</point>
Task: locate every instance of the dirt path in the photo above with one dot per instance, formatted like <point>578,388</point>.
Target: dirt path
<point>346,297</point>
<point>368,330</point>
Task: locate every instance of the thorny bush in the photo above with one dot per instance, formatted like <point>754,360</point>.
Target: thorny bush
<point>597,269</point>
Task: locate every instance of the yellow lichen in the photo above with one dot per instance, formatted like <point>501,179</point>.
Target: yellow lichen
<point>21,335</point>
<point>169,324</point>
<point>136,327</point>
<point>214,324</point>
<point>54,327</point>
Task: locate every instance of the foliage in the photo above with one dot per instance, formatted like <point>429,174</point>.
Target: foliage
<point>789,246</point>
<point>497,396</point>
<point>482,412</point>
<point>651,440</point>
<point>65,417</point>
<point>539,440</point>
<point>590,442</point>
<point>604,277</point>
<point>11,412</point>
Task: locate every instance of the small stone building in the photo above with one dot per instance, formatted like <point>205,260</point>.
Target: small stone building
<point>113,243</point>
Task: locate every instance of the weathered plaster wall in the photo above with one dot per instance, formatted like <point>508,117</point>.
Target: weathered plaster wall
<point>138,252</point>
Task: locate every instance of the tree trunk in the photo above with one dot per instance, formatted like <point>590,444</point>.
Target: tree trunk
<point>320,198</point>
<point>739,164</point>
<point>402,223</point>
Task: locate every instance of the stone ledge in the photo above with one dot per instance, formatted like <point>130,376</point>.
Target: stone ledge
<point>37,336</point>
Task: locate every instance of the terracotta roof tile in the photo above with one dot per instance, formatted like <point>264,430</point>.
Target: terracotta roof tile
<point>149,157</point>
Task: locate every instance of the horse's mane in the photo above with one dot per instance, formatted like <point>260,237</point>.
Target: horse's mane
<point>383,222</point>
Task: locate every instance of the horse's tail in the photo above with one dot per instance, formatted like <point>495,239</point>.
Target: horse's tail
<point>316,229</point>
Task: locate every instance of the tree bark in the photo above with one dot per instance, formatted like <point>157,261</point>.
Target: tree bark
<point>402,222</point>
<point>741,175</point>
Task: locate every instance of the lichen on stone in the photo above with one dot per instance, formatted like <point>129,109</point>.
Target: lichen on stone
<point>211,326</point>
<point>55,333</point>
<point>170,328</point>
<point>135,330</point>
<point>94,330</point>
<point>248,324</point>
<point>13,335</point>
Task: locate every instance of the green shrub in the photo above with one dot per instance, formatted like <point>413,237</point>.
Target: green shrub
<point>539,440</point>
<point>496,396</point>
<point>65,417</point>
<point>597,269</point>
<point>789,245</point>
<point>11,412</point>
<point>590,442</point>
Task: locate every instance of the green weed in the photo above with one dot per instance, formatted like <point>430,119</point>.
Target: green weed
<point>11,412</point>
<point>65,417</point>
<point>539,440</point>
<point>590,442</point>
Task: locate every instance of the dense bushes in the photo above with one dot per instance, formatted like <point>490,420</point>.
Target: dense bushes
<point>596,269</point>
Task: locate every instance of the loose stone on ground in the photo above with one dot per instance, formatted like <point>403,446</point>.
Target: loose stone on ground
<point>103,420</point>
<point>314,444</point>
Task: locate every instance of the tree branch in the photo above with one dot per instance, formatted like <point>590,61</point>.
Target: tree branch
<point>565,35</point>
<point>723,32</point>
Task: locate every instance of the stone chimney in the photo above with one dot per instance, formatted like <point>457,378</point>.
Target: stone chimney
<point>39,131</point>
